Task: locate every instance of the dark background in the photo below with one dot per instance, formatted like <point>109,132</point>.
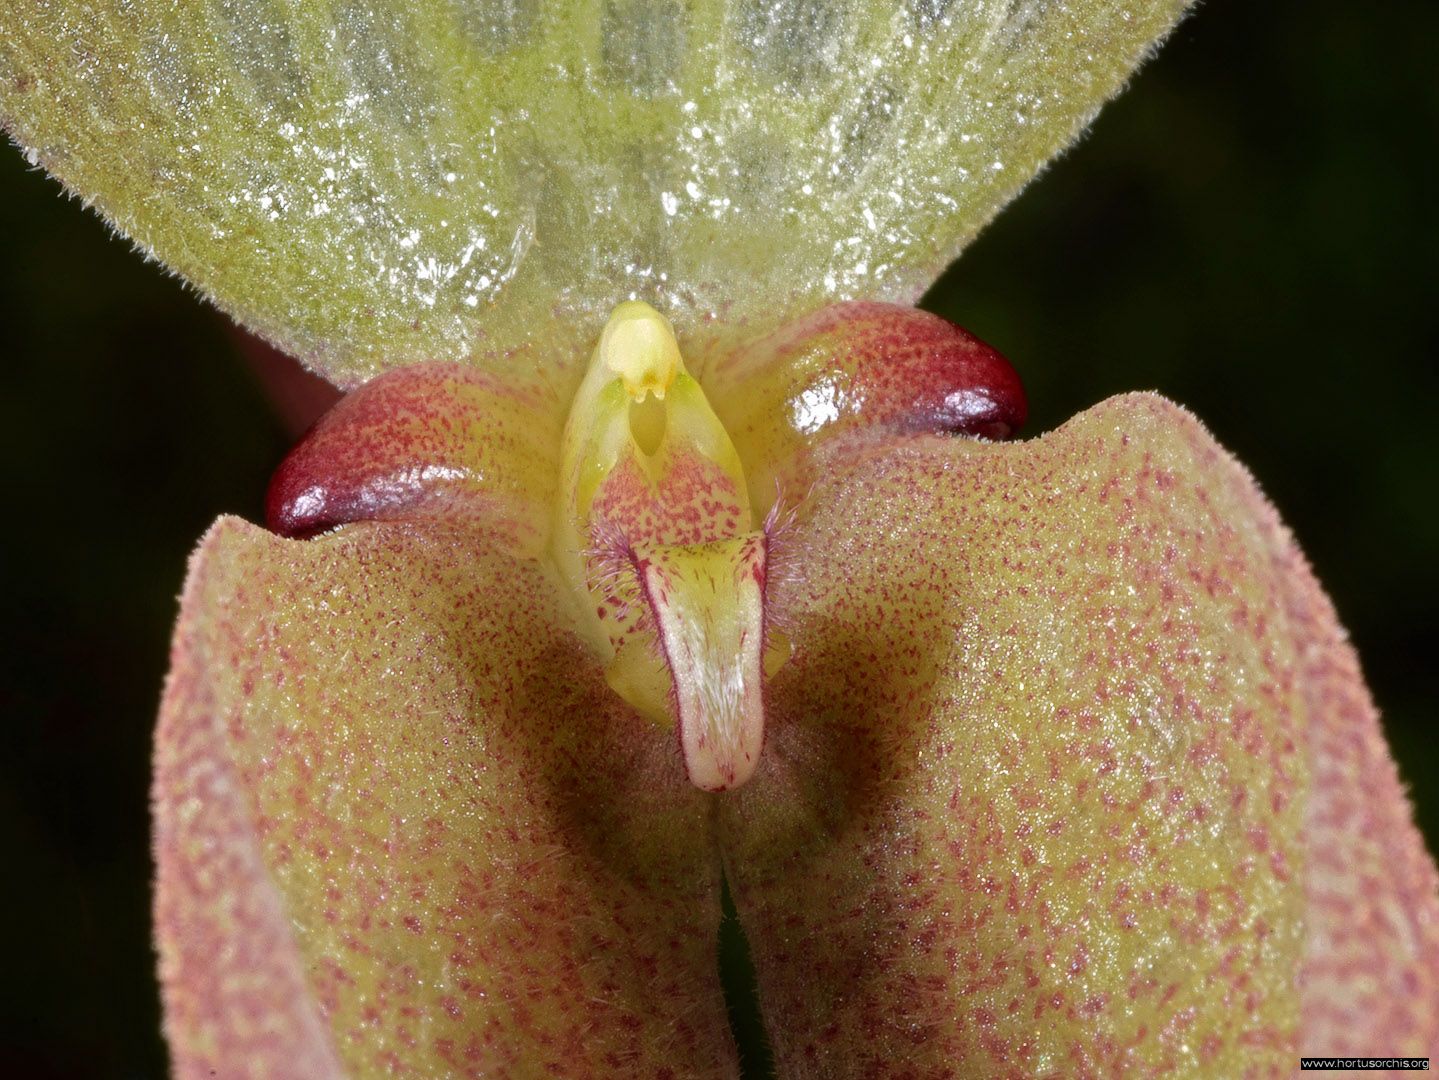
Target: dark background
<point>1249,230</point>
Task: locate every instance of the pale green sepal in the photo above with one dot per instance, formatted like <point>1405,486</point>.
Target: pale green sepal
<point>369,184</point>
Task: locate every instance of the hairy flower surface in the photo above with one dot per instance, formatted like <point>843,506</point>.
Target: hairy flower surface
<point>659,545</point>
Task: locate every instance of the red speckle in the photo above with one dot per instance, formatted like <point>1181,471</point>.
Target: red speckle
<point>402,446</point>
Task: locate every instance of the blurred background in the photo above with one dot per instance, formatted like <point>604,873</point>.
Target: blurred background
<point>1250,230</point>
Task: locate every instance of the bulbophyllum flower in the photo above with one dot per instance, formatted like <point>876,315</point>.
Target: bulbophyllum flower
<point>659,544</point>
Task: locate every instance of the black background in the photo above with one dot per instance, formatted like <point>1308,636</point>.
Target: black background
<point>1249,230</point>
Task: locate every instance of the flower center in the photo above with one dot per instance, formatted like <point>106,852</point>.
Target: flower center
<point>655,537</point>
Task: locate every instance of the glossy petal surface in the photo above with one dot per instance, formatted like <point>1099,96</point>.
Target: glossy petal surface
<point>369,183</point>
<point>1071,773</point>
<point>859,370</point>
<point>403,824</point>
<point>436,441</point>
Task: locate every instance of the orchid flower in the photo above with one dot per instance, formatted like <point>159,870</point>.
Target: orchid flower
<point>661,545</point>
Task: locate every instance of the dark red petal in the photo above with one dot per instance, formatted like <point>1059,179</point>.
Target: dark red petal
<point>911,371</point>
<point>417,442</point>
<point>852,370</point>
